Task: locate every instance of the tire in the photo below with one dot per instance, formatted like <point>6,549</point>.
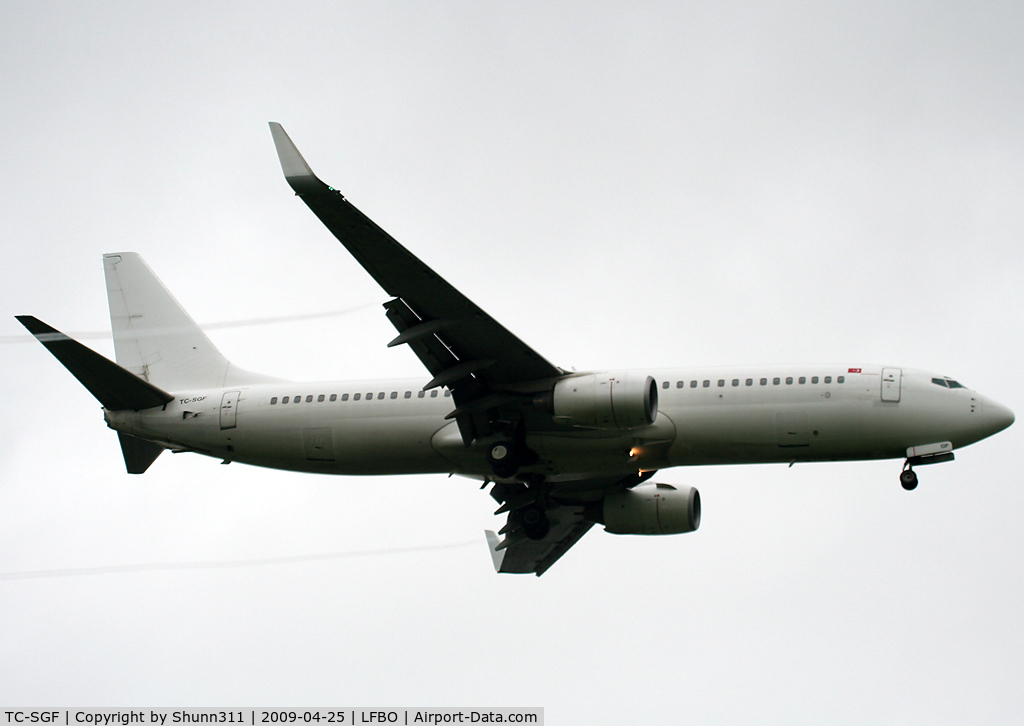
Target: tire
<point>535,522</point>
<point>908,480</point>
<point>503,459</point>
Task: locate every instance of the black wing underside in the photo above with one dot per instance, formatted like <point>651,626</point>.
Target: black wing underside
<point>523,555</point>
<point>491,373</point>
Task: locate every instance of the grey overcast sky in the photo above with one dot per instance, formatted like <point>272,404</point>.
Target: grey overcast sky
<point>644,185</point>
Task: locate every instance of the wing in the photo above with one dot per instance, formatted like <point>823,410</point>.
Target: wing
<point>521,555</point>
<point>540,529</point>
<point>485,366</point>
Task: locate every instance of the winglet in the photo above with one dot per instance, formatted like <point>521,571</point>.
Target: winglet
<point>497,556</point>
<point>295,168</point>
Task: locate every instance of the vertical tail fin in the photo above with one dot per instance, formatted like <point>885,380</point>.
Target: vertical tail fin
<point>155,338</point>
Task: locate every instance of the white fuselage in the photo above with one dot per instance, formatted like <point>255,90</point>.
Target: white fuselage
<point>705,416</point>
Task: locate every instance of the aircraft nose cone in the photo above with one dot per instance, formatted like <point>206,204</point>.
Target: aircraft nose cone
<point>997,416</point>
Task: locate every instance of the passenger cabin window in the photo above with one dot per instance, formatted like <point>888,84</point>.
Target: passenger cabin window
<point>309,399</point>
<point>320,398</point>
<point>789,380</point>
<point>721,383</point>
<point>284,400</point>
<point>664,384</point>
<point>803,380</point>
<point>394,394</point>
<point>814,379</point>
<point>679,384</point>
<point>420,394</point>
<point>357,396</point>
<point>750,381</point>
<point>274,400</point>
<point>344,397</point>
<point>433,394</point>
<point>447,393</point>
<point>776,381</point>
<point>828,379</point>
<point>707,383</point>
<point>334,397</point>
<point>693,384</point>
<point>764,381</point>
<point>841,379</point>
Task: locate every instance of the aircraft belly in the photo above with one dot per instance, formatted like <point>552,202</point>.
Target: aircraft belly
<point>760,433</point>
<point>301,439</point>
<point>368,446</point>
<point>855,428</point>
<point>713,434</point>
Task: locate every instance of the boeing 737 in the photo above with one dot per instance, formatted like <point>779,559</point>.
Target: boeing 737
<point>561,450</point>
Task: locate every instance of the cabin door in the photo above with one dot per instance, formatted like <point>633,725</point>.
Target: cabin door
<point>229,409</point>
<point>891,384</point>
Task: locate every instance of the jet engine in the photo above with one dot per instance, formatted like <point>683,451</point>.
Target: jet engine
<point>606,401</point>
<point>652,509</point>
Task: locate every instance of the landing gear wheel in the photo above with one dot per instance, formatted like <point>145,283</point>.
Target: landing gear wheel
<point>502,458</point>
<point>535,522</point>
<point>908,479</point>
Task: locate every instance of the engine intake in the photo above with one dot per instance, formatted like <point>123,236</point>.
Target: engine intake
<point>606,401</point>
<point>652,509</point>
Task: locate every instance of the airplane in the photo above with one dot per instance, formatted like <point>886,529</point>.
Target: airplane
<point>561,450</point>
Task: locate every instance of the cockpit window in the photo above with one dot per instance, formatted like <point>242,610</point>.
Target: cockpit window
<point>947,383</point>
<point>940,382</point>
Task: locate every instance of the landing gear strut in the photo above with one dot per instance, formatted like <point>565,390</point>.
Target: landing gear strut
<point>908,479</point>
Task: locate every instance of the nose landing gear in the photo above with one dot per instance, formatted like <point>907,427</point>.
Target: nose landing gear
<point>921,455</point>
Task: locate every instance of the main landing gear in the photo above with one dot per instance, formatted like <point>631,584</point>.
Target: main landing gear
<point>908,478</point>
<point>527,505</point>
<point>535,521</point>
<point>502,457</point>
<point>509,453</point>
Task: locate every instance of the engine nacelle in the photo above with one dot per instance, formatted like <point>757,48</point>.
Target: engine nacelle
<point>652,509</point>
<point>606,401</point>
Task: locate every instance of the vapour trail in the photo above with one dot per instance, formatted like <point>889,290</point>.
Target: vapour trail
<point>225,564</point>
<point>101,334</point>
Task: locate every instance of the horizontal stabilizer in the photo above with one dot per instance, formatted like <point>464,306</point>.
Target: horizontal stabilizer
<point>138,453</point>
<point>113,386</point>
